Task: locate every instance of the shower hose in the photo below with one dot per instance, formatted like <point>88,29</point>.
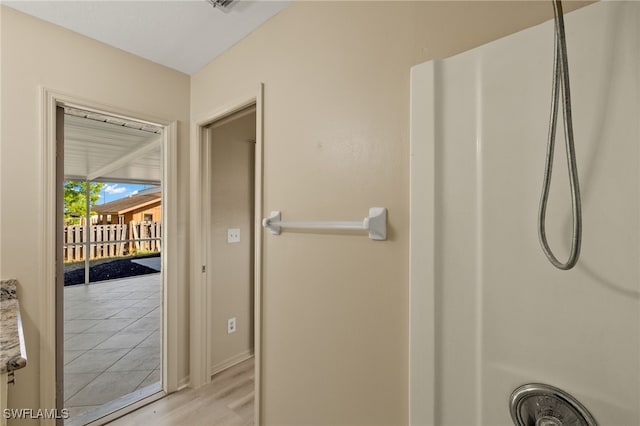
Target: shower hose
<point>561,84</point>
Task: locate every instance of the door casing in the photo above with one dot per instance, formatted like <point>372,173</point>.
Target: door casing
<point>199,337</point>
<point>51,308</point>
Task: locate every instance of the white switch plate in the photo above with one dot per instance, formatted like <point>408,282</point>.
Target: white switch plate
<point>233,235</point>
<point>231,325</point>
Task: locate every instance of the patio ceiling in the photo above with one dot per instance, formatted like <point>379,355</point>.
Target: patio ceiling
<point>108,149</point>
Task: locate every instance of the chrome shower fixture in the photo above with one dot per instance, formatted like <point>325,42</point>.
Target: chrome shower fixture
<point>537,404</point>
<point>561,84</point>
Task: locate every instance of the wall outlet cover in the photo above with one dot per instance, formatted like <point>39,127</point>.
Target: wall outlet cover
<point>233,235</point>
<point>231,325</point>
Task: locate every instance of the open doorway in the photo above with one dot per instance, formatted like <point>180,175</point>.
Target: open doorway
<point>230,242</point>
<point>229,217</point>
<point>110,331</point>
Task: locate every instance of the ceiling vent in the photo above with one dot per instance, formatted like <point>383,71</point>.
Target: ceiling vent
<point>223,5</point>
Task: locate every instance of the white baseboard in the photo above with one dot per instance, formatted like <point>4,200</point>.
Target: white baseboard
<point>184,383</point>
<point>230,362</point>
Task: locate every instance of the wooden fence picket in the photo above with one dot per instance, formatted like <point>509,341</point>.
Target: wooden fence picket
<point>111,240</point>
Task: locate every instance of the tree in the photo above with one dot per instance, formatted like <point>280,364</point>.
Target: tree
<point>75,200</point>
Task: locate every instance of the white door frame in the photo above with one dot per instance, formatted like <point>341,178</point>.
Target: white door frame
<point>49,101</point>
<point>199,335</point>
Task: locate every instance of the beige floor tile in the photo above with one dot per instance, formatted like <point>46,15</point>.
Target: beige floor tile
<point>133,312</point>
<point>75,382</point>
<point>74,313</point>
<point>95,361</point>
<point>153,340</point>
<point>68,336</point>
<point>71,355</point>
<point>99,312</point>
<point>147,303</point>
<point>107,387</point>
<point>154,313</point>
<point>153,377</point>
<point>86,340</point>
<point>140,294</point>
<point>116,300</point>
<point>144,323</point>
<point>111,324</point>
<point>123,340</point>
<point>140,358</point>
<point>78,326</point>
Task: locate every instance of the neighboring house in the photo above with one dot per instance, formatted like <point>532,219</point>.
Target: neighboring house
<point>138,208</point>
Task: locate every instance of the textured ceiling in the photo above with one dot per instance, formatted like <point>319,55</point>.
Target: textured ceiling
<point>184,34</point>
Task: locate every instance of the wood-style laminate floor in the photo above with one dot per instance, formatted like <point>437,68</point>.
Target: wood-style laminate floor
<point>227,400</point>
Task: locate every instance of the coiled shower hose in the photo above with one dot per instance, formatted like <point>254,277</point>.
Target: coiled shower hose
<point>561,83</point>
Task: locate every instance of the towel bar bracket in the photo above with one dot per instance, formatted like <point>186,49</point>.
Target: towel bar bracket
<point>270,222</point>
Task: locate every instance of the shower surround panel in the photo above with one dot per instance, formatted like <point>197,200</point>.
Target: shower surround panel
<point>493,313</point>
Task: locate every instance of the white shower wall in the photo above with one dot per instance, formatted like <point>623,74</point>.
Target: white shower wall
<point>488,311</point>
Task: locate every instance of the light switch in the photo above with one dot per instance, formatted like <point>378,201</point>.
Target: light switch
<point>233,235</point>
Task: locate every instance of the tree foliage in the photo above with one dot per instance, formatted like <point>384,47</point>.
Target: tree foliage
<point>75,200</point>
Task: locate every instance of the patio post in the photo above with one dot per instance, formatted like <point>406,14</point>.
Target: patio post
<point>87,230</point>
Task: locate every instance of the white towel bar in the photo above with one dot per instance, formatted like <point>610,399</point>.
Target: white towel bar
<point>375,223</point>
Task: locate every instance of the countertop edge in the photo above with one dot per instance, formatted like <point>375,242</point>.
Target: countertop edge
<point>13,354</point>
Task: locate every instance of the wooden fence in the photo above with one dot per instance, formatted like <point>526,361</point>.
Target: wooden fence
<point>111,240</point>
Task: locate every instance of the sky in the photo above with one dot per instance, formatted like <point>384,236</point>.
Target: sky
<point>114,191</point>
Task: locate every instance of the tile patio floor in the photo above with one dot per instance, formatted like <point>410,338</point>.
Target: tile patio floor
<point>111,340</point>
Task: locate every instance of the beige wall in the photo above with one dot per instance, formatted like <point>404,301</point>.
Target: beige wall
<point>336,98</point>
<point>230,276</point>
<point>35,54</point>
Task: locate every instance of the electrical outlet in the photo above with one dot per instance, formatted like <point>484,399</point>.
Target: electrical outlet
<point>233,235</point>
<point>231,325</point>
